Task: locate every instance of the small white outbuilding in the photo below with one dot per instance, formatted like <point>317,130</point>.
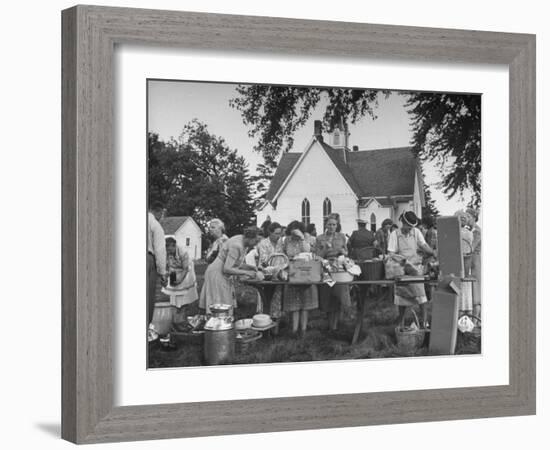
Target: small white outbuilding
<point>186,232</point>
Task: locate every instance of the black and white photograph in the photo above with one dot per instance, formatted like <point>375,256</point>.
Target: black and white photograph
<point>293,224</point>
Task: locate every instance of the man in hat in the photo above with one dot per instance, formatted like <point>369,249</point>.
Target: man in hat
<point>361,242</point>
<point>404,245</point>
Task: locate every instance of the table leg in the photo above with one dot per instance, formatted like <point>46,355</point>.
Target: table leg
<point>360,314</point>
<point>263,297</point>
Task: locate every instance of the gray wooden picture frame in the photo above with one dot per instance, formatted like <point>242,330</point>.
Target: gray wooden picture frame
<point>90,34</point>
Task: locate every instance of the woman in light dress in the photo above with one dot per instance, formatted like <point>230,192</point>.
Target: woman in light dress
<point>466,242</point>
<point>219,278</point>
<point>476,260</point>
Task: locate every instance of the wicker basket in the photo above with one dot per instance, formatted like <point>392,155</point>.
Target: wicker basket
<point>249,337</point>
<point>409,341</point>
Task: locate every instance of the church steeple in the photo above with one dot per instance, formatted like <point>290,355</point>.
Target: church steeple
<point>339,136</point>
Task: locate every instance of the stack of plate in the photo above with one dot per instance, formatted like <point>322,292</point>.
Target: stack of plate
<point>261,320</point>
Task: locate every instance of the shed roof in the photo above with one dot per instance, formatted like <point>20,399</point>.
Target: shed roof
<point>173,223</point>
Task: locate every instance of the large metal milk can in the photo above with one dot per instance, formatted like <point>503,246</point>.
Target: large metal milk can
<point>219,336</point>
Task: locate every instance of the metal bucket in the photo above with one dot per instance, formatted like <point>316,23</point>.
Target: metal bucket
<point>219,346</point>
<point>372,270</point>
<point>163,315</point>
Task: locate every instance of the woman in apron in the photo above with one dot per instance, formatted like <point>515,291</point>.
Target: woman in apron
<point>182,287</point>
<point>404,245</point>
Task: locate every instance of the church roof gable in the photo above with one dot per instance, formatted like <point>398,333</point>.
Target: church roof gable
<point>286,164</point>
<point>369,173</point>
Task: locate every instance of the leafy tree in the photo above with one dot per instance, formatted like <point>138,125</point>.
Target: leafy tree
<point>447,130</point>
<point>274,113</point>
<point>429,208</point>
<point>446,127</point>
<point>200,176</point>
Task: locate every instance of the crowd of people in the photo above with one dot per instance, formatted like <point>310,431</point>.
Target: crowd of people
<point>246,255</point>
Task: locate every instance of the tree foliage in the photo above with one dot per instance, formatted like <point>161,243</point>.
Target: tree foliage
<point>200,176</point>
<point>275,113</point>
<point>447,130</point>
<point>429,209</point>
<point>446,127</point>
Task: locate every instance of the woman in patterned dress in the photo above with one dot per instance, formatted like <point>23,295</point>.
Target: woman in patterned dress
<point>298,300</point>
<point>332,299</point>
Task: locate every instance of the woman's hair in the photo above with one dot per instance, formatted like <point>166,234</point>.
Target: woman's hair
<point>251,232</point>
<point>295,225</point>
<point>473,212</point>
<point>429,221</point>
<point>265,227</point>
<point>273,226</point>
<point>387,222</point>
<point>170,240</point>
<point>336,217</point>
<point>219,223</point>
<point>310,228</point>
<point>156,206</point>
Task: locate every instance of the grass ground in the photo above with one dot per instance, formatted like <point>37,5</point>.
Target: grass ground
<point>377,339</point>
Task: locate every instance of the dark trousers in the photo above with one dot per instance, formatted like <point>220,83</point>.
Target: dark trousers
<point>151,286</point>
<point>268,296</point>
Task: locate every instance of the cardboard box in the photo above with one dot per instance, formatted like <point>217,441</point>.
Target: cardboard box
<point>304,272</point>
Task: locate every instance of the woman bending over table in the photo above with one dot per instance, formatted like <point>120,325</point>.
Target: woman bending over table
<point>219,278</point>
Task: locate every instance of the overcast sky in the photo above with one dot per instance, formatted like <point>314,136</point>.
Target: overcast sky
<point>172,104</point>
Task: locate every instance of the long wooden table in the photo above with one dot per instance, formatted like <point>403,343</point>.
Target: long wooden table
<point>260,285</point>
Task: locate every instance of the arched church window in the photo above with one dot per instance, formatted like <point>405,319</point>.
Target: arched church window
<point>327,209</point>
<point>305,212</point>
<point>373,222</point>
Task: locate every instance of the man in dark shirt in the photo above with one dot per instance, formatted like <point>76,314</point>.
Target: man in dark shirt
<point>361,242</point>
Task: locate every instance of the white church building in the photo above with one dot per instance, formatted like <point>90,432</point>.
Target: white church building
<point>369,184</point>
